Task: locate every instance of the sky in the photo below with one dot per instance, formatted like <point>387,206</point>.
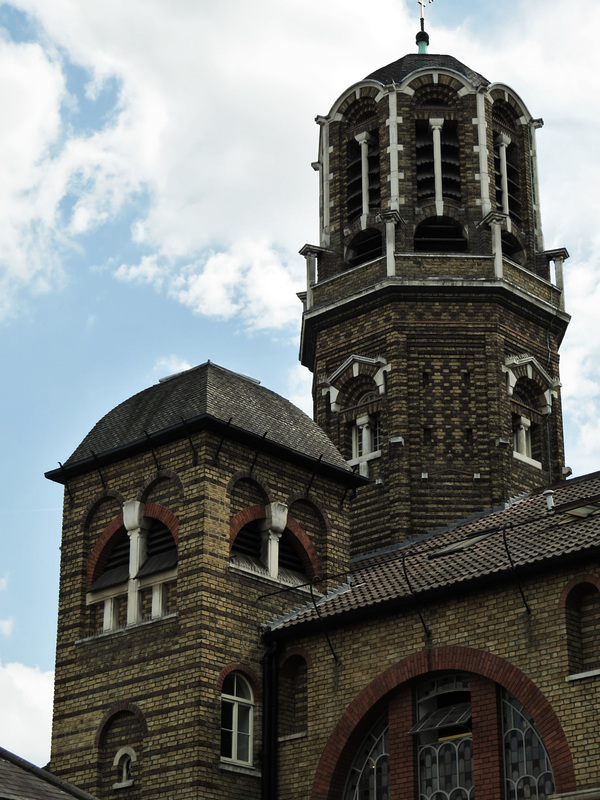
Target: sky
<point>155,188</point>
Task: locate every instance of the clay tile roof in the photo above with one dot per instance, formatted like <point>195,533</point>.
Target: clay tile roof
<point>20,780</point>
<point>471,553</point>
<point>208,391</point>
<point>397,71</point>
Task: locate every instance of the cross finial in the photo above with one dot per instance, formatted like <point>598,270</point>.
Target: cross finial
<point>422,4</point>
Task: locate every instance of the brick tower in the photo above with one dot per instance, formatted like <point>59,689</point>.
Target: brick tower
<point>433,315</point>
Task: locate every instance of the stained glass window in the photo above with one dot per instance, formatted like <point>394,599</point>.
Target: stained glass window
<point>369,777</point>
<point>527,767</point>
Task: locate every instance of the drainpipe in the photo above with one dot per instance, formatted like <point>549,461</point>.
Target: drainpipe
<point>269,733</point>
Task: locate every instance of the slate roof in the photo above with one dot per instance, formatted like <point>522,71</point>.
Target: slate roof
<point>464,555</point>
<point>397,71</point>
<point>20,780</point>
<point>206,392</point>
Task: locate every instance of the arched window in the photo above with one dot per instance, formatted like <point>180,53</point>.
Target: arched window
<point>123,762</point>
<point>444,739</point>
<point>446,746</point>
<point>237,712</point>
<point>512,248</point>
<point>527,767</point>
<point>583,618</point>
<point>363,178</point>
<point>258,549</point>
<point>427,165</point>
<point>507,170</point>
<point>120,751</point>
<point>134,577</point>
<point>527,397</point>
<point>366,246</point>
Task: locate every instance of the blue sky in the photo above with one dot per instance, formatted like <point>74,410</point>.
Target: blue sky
<point>156,188</point>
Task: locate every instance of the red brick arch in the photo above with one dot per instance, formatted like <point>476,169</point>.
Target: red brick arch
<point>120,707</point>
<point>339,750</point>
<point>305,548</point>
<point>578,580</point>
<point>244,670</point>
<point>152,510</point>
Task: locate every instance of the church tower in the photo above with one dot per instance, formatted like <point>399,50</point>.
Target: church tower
<point>433,315</point>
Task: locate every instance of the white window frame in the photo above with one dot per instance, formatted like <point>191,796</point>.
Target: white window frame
<point>522,442</point>
<point>125,756</point>
<point>237,702</point>
<point>366,435</point>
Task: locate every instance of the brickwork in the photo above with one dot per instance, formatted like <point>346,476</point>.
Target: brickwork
<point>170,667</point>
<point>489,635</point>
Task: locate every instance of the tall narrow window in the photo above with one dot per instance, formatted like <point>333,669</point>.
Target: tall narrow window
<point>369,777</point>
<point>363,178</point>
<point>427,166</point>
<point>526,764</point>
<point>237,711</point>
<point>445,741</point>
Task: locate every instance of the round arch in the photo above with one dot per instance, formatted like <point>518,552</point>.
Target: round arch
<point>346,736</point>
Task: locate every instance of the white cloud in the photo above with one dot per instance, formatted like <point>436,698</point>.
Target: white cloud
<point>300,388</point>
<point>147,271</point>
<point>211,137</point>
<point>171,365</point>
<point>6,626</point>
<point>4,582</point>
<point>251,281</point>
<point>26,718</point>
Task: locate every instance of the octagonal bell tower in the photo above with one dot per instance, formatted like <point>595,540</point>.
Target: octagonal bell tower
<point>433,315</point>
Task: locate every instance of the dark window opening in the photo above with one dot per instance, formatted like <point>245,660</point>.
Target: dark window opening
<point>425,163</point>
<point>513,181</point>
<point>354,180</point>
<point>512,248</point>
<point>116,565</point>
<point>440,235</point>
<point>248,541</point>
<point>161,550</point>
<point>366,246</point>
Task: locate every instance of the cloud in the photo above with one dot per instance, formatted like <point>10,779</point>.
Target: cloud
<point>300,388</point>
<point>4,582</point>
<point>208,136</point>
<point>171,365</point>
<point>26,719</point>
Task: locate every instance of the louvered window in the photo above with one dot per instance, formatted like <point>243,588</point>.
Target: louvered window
<point>356,204</point>
<point>425,161</point>
<point>161,551</point>
<point>512,203</point>
<point>116,567</point>
<point>440,235</point>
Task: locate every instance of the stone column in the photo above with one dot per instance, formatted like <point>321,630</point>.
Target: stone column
<point>436,126</point>
<point>391,219</point>
<point>502,140</point>
<point>363,139</point>
<point>137,527</point>
<point>272,528</point>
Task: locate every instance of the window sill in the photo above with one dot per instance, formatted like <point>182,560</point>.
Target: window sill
<point>228,766</point>
<point>292,736</point>
<point>526,460</point>
<point>134,627</point>
<point>264,577</point>
<point>579,676</point>
<point>122,785</point>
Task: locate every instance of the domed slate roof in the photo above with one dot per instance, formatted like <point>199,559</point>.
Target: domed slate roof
<point>397,71</point>
<point>208,394</point>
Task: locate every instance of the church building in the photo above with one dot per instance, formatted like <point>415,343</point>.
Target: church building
<point>397,600</point>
